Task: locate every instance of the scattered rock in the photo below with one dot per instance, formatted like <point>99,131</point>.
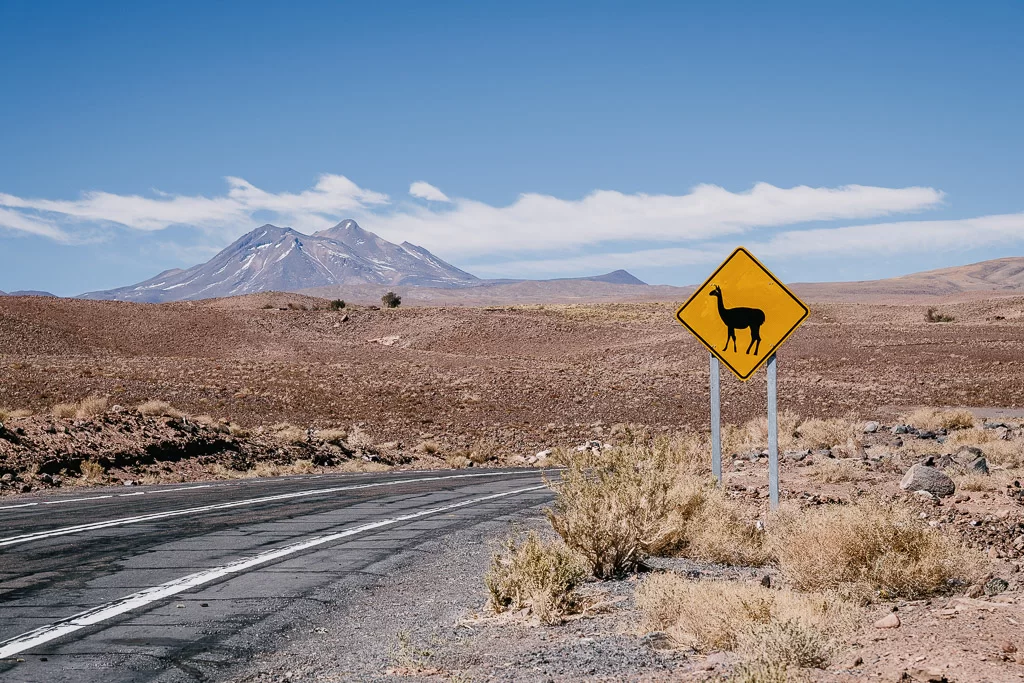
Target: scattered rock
<point>975,591</point>
<point>891,620</point>
<point>900,429</point>
<point>657,640</point>
<point>871,427</point>
<point>924,478</point>
<point>544,455</point>
<point>766,581</point>
<point>1008,647</point>
<point>978,466</point>
<point>995,586</point>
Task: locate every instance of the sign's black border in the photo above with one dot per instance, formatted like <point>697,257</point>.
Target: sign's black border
<point>711,348</point>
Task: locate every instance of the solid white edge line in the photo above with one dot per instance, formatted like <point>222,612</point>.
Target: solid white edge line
<point>44,634</point>
<point>64,531</point>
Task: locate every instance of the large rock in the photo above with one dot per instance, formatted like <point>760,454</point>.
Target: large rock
<point>924,478</point>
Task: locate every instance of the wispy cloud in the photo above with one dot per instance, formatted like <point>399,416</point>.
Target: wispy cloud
<point>523,236</point>
<point>540,223</point>
<point>851,241</point>
<point>422,190</point>
<point>315,208</point>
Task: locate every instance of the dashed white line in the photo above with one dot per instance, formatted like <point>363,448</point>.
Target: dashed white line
<point>44,634</point>
<point>79,528</point>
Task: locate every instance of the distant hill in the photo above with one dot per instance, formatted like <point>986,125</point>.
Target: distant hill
<point>271,258</point>
<point>28,292</point>
<point>998,276</point>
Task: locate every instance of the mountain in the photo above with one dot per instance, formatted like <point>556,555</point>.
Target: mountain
<point>281,259</point>
<point>28,292</point>
<point>616,277</point>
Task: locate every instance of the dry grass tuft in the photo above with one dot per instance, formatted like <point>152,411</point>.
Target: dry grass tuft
<point>704,523</point>
<point>537,575</point>
<point>727,615</point>
<point>159,409</point>
<point>93,406</point>
<point>838,471</point>
<point>335,436</point>
<point>937,418</point>
<point>64,410</point>
<point>753,435</point>
<point>93,472</point>
<point>869,549</point>
<point>819,433</point>
<point>289,434</point>
<point>7,414</point>
<point>430,447</point>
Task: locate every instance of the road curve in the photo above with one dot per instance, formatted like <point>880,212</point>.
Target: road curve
<point>147,583</point>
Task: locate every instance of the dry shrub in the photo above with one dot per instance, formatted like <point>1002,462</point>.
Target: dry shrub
<point>936,418</point>
<point>334,436</point>
<point>7,414</point>
<point>302,467</point>
<point>610,506</point>
<point>92,472</point>
<point>838,471</point>
<point>996,481</point>
<point>753,435</point>
<point>288,434</point>
<point>159,409</point>
<point>869,548</point>
<point>64,410</point>
<point>484,451</point>
<point>430,447</point>
<point>538,575</point>
<point>826,433</point>
<point>92,406</point>
<point>238,431</point>
<point>704,523</point>
<point>458,461</point>
<point>727,615</point>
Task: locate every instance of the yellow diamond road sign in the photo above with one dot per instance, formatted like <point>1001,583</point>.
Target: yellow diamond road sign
<point>742,313</point>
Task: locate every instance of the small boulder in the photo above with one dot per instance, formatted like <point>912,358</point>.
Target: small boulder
<point>995,586</point>
<point>891,620</point>
<point>978,466</point>
<point>965,453</point>
<point>871,427</point>
<point>924,478</point>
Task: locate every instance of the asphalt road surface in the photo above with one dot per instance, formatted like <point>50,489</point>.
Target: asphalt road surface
<point>150,583</point>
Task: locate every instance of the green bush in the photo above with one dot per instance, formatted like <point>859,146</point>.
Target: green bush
<point>391,300</point>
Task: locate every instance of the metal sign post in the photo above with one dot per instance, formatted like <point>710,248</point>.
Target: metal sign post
<point>742,300</point>
<point>773,433</point>
<point>716,420</point>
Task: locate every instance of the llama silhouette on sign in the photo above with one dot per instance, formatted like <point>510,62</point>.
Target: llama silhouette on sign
<point>740,319</point>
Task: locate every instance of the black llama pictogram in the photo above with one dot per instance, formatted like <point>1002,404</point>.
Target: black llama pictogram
<point>740,318</point>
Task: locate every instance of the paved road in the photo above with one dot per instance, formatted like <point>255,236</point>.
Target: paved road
<point>148,583</point>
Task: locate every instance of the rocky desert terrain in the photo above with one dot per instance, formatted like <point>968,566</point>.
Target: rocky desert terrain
<point>97,392</point>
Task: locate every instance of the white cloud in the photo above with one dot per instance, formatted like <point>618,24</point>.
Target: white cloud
<point>311,209</point>
<point>537,222</point>
<point>693,226</point>
<point>427,191</point>
<point>852,241</point>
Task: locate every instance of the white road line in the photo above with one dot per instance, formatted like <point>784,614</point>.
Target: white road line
<point>45,634</point>
<point>120,495</point>
<point>79,528</point>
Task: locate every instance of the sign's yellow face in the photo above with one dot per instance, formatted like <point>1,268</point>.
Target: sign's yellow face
<point>742,313</point>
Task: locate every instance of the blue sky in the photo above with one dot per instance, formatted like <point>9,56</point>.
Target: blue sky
<point>847,141</point>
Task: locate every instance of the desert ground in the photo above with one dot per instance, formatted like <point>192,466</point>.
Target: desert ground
<point>103,392</point>
<point>514,379</point>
